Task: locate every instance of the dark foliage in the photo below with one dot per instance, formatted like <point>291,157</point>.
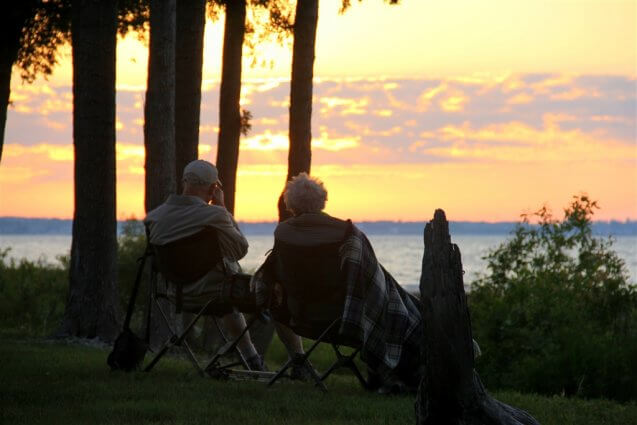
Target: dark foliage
<point>49,27</point>
<point>246,125</point>
<point>33,293</point>
<point>131,247</point>
<point>132,16</point>
<point>347,3</point>
<point>556,312</point>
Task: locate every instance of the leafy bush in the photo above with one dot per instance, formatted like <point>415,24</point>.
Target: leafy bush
<point>556,312</point>
<point>131,247</point>
<point>32,294</point>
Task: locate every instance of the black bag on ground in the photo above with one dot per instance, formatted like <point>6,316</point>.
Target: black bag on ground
<point>129,349</point>
<point>128,352</point>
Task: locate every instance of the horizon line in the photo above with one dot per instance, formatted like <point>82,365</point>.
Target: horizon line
<point>613,220</point>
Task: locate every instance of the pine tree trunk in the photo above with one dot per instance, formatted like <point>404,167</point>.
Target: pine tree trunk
<point>229,97</point>
<point>159,110</point>
<point>300,126</point>
<point>191,21</point>
<point>92,308</point>
<point>12,20</point>
<point>5,92</point>
<point>451,392</point>
<point>159,129</point>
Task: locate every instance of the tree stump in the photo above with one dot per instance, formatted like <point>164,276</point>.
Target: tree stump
<point>451,391</point>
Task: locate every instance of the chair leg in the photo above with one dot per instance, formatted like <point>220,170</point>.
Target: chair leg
<point>306,355</point>
<point>215,369</point>
<point>159,355</point>
<point>169,342</point>
<point>228,347</point>
<point>318,382</point>
<point>288,364</point>
<point>348,362</point>
<point>178,340</point>
<point>352,366</point>
<point>193,359</point>
<point>331,369</point>
<point>280,372</point>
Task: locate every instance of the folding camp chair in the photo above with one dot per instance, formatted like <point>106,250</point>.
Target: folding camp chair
<point>185,261</point>
<point>313,299</point>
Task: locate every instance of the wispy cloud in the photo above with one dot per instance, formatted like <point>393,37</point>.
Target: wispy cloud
<point>543,122</point>
<point>394,114</point>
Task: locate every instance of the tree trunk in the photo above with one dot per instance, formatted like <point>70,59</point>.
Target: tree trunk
<point>191,21</point>
<point>12,21</point>
<point>159,110</point>
<point>92,308</point>
<point>229,97</point>
<point>159,129</point>
<point>5,92</point>
<point>300,126</point>
<point>451,392</point>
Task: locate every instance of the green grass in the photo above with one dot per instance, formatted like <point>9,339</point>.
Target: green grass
<point>54,383</point>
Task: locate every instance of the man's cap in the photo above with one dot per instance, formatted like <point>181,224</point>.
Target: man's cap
<point>201,170</point>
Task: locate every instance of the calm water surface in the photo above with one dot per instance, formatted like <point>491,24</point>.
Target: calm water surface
<point>400,254</point>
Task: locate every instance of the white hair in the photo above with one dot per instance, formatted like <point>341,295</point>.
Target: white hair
<point>305,194</point>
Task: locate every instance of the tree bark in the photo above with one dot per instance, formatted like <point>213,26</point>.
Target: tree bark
<point>451,392</point>
<point>159,110</point>
<point>191,21</point>
<point>6,63</point>
<point>159,129</point>
<point>12,21</point>
<point>229,98</point>
<point>300,126</point>
<point>92,308</point>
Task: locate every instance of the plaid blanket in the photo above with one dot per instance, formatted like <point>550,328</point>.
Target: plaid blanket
<point>378,311</point>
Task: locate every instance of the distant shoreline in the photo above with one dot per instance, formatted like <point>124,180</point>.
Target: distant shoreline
<point>53,226</point>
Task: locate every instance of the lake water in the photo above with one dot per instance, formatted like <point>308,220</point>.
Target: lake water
<point>401,255</point>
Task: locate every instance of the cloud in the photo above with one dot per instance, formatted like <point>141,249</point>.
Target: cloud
<point>343,106</point>
<point>389,120</point>
<point>454,103</point>
<point>267,141</point>
<point>50,152</point>
<point>334,144</point>
<point>520,99</point>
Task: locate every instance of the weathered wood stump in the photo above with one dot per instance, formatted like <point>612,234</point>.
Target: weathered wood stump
<point>451,391</point>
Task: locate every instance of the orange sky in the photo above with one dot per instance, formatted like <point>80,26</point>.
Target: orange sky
<point>486,109</point>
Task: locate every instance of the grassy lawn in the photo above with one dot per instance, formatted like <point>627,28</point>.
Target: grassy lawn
<point>55,383</point>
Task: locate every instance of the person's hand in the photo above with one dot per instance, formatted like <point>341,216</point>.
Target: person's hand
<point>217,197</point>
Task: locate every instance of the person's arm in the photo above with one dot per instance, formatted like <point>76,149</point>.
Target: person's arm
<point>233,244</point>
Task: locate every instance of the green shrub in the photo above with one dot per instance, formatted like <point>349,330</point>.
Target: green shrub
<point>556,312</point>
<point>32,295</point>
<point>131,247</point>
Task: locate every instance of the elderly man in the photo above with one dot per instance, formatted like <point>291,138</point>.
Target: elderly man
<point>202,204</point>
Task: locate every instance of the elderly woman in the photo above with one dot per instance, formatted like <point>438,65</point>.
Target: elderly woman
<point>305,198</point>
<point>374,310</point>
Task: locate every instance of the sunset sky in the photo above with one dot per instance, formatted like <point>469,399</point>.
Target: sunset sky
<point>486,109</point>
